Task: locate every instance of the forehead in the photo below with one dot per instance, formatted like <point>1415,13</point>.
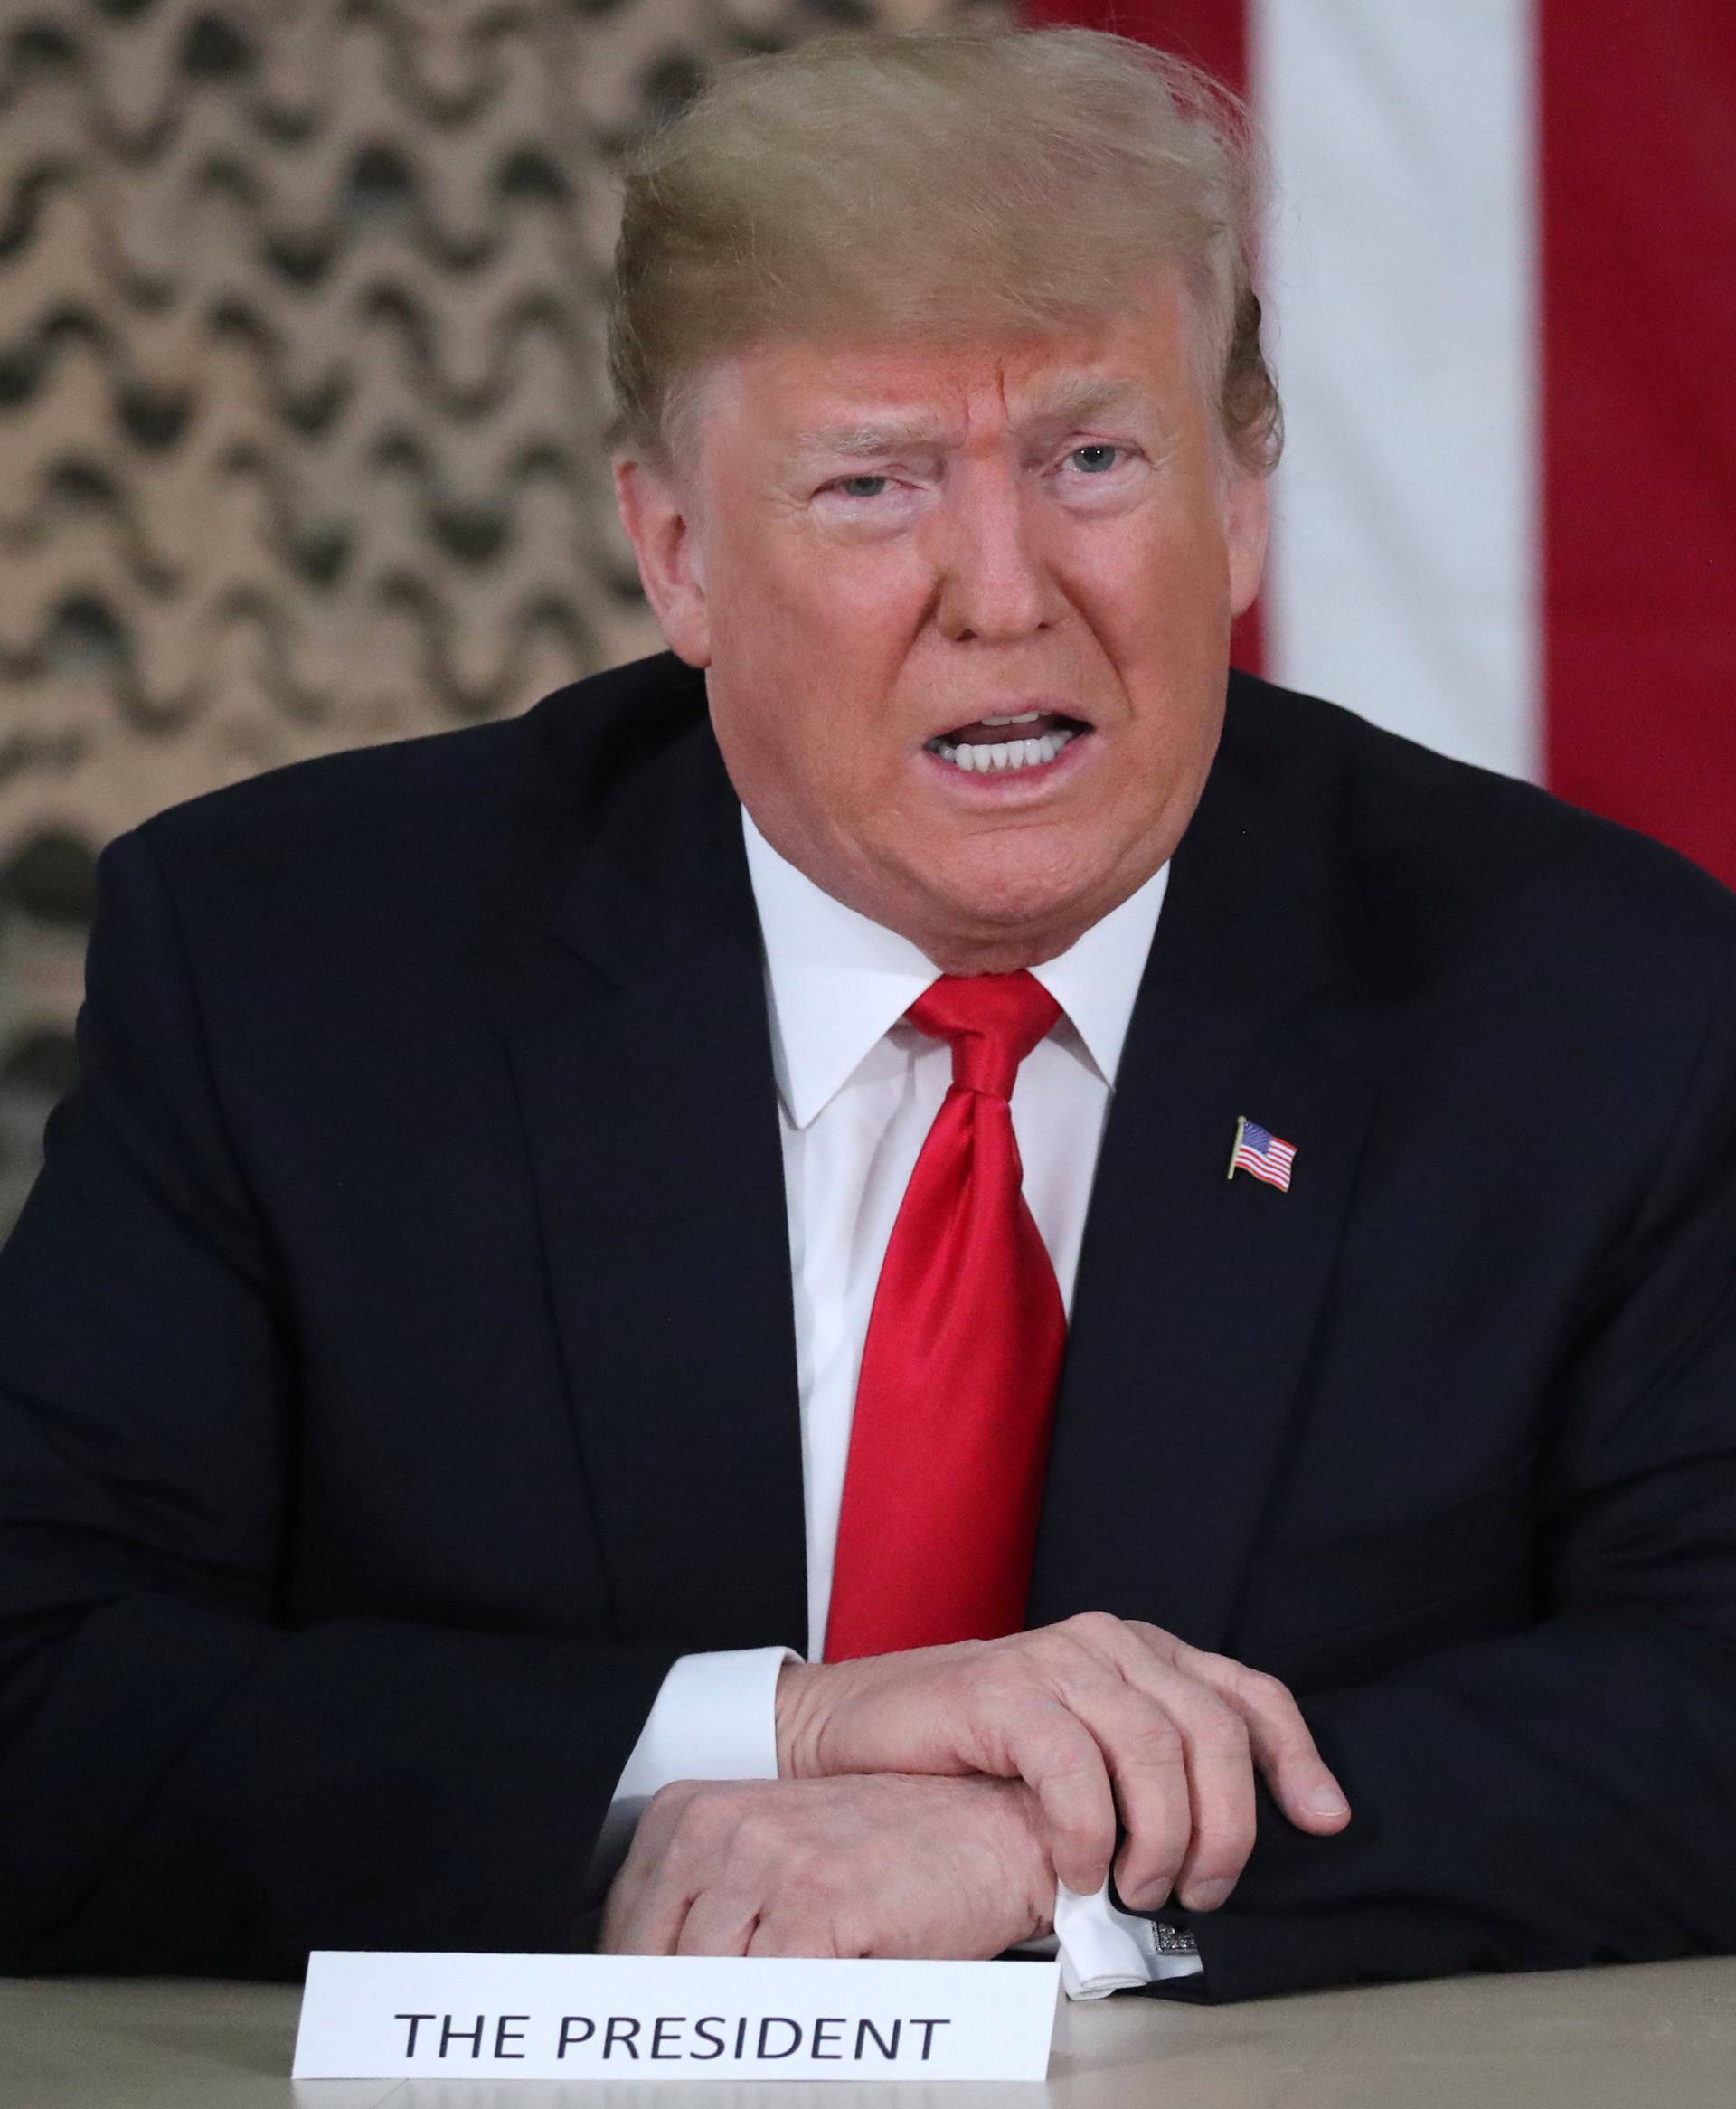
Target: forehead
<point>860,395</point>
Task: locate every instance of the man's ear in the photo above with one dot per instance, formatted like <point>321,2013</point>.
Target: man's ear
<point>659,517</point>
<point>1247,516</point>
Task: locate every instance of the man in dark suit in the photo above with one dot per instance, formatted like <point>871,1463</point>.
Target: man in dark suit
<point>413,1361</point>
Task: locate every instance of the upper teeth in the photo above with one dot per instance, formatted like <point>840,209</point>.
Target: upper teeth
<point>1003,753</point>
<point>1029,717</point>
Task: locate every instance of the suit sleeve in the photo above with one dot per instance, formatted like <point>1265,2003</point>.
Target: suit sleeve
<point>1564,1794</point>
<point>186,1783</point>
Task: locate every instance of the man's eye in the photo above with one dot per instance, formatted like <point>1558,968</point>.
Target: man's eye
<point>862,487</point>
<point>1095,459</point>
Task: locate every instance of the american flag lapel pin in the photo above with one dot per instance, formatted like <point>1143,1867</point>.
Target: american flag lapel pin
<point>1260,1151</point>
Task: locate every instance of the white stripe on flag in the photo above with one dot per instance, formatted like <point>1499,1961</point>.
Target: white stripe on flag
<point>1400,265</point>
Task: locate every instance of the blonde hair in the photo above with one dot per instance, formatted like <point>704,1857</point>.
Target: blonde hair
<point>936,185</point>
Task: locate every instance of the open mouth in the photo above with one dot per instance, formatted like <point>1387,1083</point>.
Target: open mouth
<point>1031,740</point>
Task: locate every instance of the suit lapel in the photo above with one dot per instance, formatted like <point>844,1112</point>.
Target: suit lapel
<point>651,1114</point>
<point>1198,1297</point>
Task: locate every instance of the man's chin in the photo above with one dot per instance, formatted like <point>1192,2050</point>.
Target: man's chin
<point>999,922</point>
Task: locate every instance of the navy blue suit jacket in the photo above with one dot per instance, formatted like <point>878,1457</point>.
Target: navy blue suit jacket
<point>397,1368</point>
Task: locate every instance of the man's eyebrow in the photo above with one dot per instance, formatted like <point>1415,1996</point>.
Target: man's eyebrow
<point>1076,400</point>
<point>887,436</point>
<point>1081,397</point>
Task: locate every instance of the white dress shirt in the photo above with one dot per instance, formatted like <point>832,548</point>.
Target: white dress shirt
<point>858,1090</point>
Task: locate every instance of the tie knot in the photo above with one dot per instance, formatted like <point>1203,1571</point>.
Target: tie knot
<point>992,1022</point>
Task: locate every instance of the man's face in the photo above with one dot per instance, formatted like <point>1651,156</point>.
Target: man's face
<point>881,555</point>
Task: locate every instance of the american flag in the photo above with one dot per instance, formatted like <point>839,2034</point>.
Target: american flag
<point>1260,1151</point>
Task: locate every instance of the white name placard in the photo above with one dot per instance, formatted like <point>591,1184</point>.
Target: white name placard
<point>671,2017</point>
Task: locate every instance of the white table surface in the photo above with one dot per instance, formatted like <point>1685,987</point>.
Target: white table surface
<point>1662,2036</point>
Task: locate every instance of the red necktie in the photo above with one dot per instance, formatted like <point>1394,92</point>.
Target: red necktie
<point>950,1439</point>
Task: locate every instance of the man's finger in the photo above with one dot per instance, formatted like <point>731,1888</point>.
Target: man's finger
<point>1145,1752</point>
<point>620,1910</point>
<point>786,1935</point>
<point>651,1923</point>
<point>1217,1748</point>
<point>651,1895</point>
<point>1301,1782</point>
<point>719,1922</point>
<point>1058,1757</point>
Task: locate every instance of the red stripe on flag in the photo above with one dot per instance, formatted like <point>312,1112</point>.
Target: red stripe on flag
<point>1639,174</point>
<point>1212,33</point>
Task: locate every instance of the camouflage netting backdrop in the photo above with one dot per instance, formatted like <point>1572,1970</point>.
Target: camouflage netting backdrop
<point>300,402</point>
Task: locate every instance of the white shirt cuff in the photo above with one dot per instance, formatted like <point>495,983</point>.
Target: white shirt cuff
<point>1103,1950</point>
<point>714,1718</point>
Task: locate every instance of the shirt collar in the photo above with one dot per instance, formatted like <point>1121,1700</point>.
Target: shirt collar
<point>1097,978</point>
<point>838,983</point>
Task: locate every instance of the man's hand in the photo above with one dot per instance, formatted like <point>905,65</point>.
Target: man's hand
<point>1097,1715</point>
<point>888,1866</point>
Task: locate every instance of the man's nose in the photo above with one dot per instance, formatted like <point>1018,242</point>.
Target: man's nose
<point>993,586</point>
